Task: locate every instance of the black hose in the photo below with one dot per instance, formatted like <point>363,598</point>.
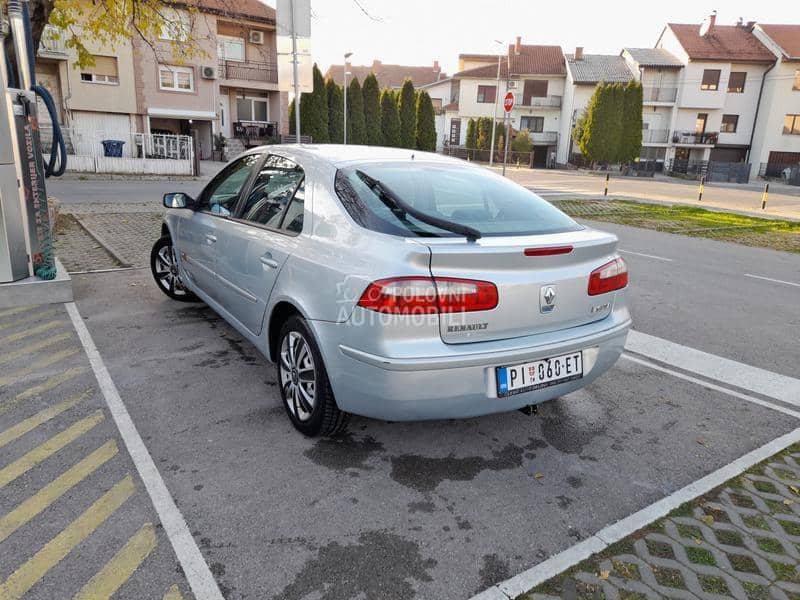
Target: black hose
<point>58,149</point>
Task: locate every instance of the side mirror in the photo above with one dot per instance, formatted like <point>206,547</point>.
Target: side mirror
<point>178,200</point>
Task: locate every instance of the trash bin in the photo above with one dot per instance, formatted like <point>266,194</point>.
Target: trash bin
<point>112,147</point>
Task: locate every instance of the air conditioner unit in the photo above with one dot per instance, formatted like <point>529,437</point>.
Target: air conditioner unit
<point>256,37</point>
<point>208,72</point>
<point>513,84</point>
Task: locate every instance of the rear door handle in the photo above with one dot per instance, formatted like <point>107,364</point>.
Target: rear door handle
<point>211,238</point>
<point>269,261</point>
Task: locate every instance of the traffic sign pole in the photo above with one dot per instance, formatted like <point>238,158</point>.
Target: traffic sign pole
<point>508,106</point>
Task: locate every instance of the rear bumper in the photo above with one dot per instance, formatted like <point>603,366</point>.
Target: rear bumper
<point>457,385</point>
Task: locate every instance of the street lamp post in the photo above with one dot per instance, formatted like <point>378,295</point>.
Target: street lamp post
<point>346,73</point>
<point>496,98</point>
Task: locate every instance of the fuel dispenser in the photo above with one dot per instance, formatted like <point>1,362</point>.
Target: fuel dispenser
<point>26,244</point>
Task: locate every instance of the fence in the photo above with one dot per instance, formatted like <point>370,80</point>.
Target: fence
<point>525,159</point>
<point>787,173</point>
<point>141,153</point>
<point>738,172</point>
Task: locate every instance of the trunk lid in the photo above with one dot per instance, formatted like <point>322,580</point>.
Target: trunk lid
<point>536,293</point>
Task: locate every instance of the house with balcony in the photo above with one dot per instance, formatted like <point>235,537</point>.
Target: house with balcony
<point>775,150</point>
<point>535,74</point>
<point>229,85</point>
<point>584,72</point>
<point>717,100</point>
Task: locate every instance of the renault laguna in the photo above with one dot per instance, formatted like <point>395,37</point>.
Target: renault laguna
<point>396,284</point>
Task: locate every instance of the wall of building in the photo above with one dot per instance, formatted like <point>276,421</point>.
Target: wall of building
<point>778,100</point>
<point>575,100</point>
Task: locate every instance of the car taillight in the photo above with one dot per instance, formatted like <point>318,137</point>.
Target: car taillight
<point>611,276</point>
<point>427,295</point>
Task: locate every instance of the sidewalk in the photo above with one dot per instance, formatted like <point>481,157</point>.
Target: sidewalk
<point>740,541</point>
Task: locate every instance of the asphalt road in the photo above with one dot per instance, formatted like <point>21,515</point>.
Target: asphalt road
<point>442,509</point>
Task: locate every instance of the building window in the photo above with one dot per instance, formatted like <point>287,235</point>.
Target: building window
<point>534,88</point>
<point>710,80</point>
<point>796,85</point>
<point>487,93</point>
<point>455,132</point>
<point>700,123</point>
<point>177,79</point>
<point>104,71</point>
<point>252,109</point>
<point>532,124</point>
<point>230,48</point>
<point>736,82</point>
<point>729,123</point>
<point>791,125</point>
<point>176,26</point>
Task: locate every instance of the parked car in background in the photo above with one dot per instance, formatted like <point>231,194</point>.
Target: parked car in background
<point>396,284</point>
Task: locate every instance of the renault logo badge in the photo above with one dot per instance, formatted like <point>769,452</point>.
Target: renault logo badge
<point>547,298</point>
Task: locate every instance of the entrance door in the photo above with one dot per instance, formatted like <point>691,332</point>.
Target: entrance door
<point>225,115</point>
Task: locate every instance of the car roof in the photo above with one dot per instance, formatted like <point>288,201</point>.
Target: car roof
<point>339,155</point>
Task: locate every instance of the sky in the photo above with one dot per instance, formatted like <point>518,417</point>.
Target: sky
<point>417,32</point>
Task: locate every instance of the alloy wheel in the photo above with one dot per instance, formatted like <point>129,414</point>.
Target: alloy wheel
<point>298,377</point>
<point>166,271</point>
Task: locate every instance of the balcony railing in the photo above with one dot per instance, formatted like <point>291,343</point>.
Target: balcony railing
<point>52,42</point>
<point>266,72</point>
<point>255,130</point>
<point>692,137</point>
<point>542,101</point>
<point>544,137</point>
<point>655,136</point>
<point>659,94</point>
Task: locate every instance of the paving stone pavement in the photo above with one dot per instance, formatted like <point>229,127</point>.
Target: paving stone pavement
<point>77,250</point>
<point>741,541</point>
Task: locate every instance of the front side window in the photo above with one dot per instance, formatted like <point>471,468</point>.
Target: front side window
<point>273,190</point>
<point>104,71</point>
<point>487,93</point>
<point>791,125</point>
<point>729,123</point>
<point>230,48</point>
<point>736,82</point>
<point>465,195</point>
<point>220,195</point>
<point>532,124</point>
<point>177,79</point>
<point>710,80</point>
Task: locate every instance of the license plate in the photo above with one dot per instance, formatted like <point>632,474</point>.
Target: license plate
<point>538,374</point>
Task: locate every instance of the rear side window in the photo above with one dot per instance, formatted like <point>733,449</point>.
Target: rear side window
<point>469,196</point>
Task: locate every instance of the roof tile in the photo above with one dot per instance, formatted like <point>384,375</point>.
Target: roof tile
<point>729,43</point>
<point>786,36</point>
<point>594,68</point>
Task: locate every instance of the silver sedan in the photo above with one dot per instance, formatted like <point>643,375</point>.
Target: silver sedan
<point>396,284</point>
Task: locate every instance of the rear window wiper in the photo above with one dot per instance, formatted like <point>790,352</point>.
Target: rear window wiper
<point>384,190</point>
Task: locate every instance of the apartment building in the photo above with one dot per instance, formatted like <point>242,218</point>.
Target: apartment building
<point>228,85</point>
<point>776,143</point>
<point>535,74</point>
<point>718,89</point>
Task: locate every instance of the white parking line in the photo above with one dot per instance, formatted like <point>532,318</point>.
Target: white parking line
<point>746,377</point>
<point>199,576</point>
<point>713,386</point>
<point>653,256</point>
<point>519,584</point>
<point>773,280</point>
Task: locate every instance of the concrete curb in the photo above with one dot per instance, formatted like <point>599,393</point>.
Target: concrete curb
<point>100,240</point>
<point>558,563</point>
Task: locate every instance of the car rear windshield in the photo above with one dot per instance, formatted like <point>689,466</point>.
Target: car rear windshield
<point>465,195</point>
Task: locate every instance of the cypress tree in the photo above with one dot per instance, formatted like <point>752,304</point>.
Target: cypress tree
<point>408,115</point>
<point>335,112</point>
<point>356,130</point>
<point>317,123</point>
<point>594,142</point>
<point>426,123</point>
<point>291,118</point>
<point>484,137</point>
<point>372,111</point>
<point>390,120</point>
<point>615,122</point>
<point>631,142</point>
<point>472,134</point>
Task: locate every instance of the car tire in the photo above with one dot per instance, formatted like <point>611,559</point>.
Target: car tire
<point>165,271</point>
<point>303,381</point>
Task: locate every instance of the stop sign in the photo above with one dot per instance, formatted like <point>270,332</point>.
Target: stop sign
<point>508,102</point>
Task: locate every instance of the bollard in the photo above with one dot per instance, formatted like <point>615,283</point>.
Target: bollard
<point>605,190</point>
<point>764,197</point>
<point>702,185</point>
